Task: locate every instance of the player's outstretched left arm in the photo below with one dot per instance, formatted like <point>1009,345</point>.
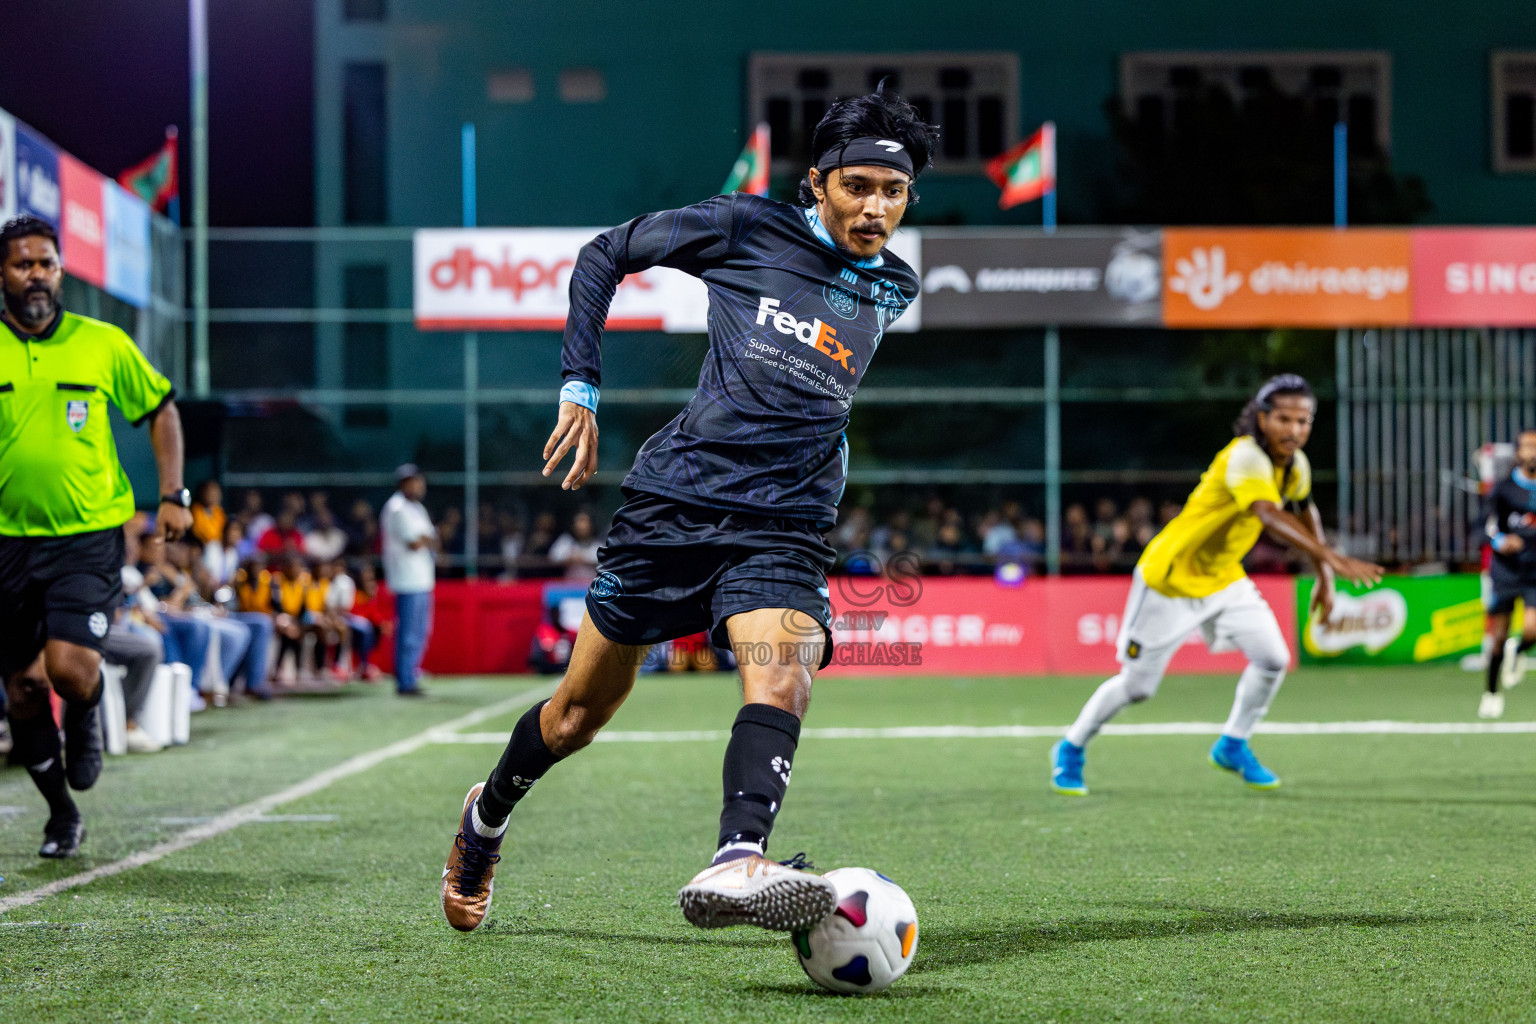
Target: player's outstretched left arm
<point>576,429</point>
<point>1309,539</point>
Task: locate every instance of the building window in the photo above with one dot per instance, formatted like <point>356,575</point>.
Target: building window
<point>364,145</point>
<point>972,97</point>
<point>1514,112</point>
<point>363,10</point>
<point>365,346</point>
<point>583,85</point>
<point>1329,86</point>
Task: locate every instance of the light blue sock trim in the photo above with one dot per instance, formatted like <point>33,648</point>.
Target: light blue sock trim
<point>580,392</point>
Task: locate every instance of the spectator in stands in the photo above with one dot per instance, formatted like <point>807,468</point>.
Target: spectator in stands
<point>1076,538</point>
<point>450,541</point>
<point>949,547</point>
<point>186,638</point>
<point>319,504</point>
<point>368,605</point>
<point>511,529</point>
<point>410,572</point>
<point>996,533</point>
<point>293,601</point>
<point>362,530</point>
<point>222,557</point>
<point>257,521</point>
<point>284,537</point>
<point>140,654</point>
<point>489,535</point>
<point>243,644</point>
<point>576,550</point>
<point>353,630</point>
<point>325,541</point>
<point>208,512</point>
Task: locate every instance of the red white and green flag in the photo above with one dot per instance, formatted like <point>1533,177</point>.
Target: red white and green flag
<point>1027,171</point>
<point>154,178</point>
<point>750,174</point>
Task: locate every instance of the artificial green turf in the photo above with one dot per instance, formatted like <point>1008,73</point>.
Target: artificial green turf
<point>1390,879</point>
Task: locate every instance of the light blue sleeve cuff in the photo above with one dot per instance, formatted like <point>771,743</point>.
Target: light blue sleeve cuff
<point>580,392</point>
<point>1498,540</point>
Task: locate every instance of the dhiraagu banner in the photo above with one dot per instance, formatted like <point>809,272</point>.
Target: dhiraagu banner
<point>1403,620</point>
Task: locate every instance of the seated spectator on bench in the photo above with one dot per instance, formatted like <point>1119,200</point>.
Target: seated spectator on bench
<point>208,515</point>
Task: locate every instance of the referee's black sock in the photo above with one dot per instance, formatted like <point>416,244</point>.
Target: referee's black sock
<point>1527,642</point>
<point>1495,664</point>
<point>756,774</point>
<point>523,763</point>
<point>35,746</point>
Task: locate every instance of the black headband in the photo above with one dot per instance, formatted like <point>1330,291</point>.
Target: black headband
<point>867,152</point>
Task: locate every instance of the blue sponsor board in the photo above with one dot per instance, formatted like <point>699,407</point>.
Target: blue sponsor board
<point>37,176</point>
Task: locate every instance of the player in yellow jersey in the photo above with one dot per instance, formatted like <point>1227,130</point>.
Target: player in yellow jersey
<point>1191,577</point>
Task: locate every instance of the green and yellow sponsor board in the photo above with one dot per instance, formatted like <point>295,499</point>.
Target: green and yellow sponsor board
<point>1403,620</point>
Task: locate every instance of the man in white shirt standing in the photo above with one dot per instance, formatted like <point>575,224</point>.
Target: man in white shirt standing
<point>410,543</point>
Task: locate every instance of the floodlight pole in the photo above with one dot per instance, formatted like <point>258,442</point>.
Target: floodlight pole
<point>199,61</point>
<point>1053,450</point>
<point>471,381</point>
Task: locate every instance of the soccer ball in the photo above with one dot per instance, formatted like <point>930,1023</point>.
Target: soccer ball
<point>868,941</point>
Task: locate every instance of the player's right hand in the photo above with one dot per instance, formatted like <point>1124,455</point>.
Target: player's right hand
<point>1512,544</point>
<point>576,428</point>
<point>1357,571</point>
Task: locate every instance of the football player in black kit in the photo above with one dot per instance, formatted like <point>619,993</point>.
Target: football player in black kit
<point>726,506</point>
<point>1512,573</point>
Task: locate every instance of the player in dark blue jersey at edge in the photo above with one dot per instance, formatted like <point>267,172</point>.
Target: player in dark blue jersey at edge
<point>1511,526</point>
<point>726,506</point>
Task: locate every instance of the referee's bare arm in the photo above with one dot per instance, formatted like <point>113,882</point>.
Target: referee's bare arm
<point>173,520</point>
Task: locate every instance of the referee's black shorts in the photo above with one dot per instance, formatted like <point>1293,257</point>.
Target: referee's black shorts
<point>670,569</point>
<point>57,588</point>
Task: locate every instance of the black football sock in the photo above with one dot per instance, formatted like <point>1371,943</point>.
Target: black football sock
<point>1526,643</point>
<point>756,773</point>
<point>36,747</point>
<point>523,763</point>
<point>1495,663</point>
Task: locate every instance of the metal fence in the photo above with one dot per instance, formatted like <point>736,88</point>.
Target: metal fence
<point>1413,407</point>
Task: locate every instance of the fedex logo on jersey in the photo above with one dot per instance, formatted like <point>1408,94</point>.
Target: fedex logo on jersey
<point>814,333</point>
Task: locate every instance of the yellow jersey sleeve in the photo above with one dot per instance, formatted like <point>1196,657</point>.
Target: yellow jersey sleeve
<point>1298,487</point>
<point>1250,475</point>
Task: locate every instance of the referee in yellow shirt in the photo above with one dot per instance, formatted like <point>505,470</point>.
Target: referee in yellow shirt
<point>1191,578</point>
<point>63,501</point>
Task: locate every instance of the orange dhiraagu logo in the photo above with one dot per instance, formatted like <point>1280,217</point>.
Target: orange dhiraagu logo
<point>814,333</point>
<point>1286,278</point>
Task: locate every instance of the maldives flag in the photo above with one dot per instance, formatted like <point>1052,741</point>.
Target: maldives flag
<point>1027,171</point>
<point>154,179</point>
<point>751,171</point>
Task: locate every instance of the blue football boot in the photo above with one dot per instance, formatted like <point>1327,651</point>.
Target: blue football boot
<point>1234,756</point>
<point>1067,769</point>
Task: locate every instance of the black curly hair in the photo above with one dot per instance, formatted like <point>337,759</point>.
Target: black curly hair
<point>880,115</point>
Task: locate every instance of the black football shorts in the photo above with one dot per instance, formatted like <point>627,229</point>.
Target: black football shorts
<point>57,588</point>
<point>670,569</point>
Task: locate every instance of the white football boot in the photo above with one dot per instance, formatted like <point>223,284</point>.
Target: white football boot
<point>1512,673</point>
<point>1492,706</point>
<point>758,891</point>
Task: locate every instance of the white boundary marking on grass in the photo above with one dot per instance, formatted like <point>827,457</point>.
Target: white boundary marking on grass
<point>913,732</point>
<point>246,813</point>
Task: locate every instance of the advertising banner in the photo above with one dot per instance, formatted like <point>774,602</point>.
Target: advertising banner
<point>37,176</point>
<point>128,244</point>
<point>982,278</point>
<point>517,279</point>
<point>7,166</point>
<point>970,626</point>
<point>1403,621</point>
<point>83,232</point>
<point>1286,278</point>
<point>1474,277</point>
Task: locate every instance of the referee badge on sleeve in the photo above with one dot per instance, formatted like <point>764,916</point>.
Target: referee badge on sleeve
<point>76,413</point>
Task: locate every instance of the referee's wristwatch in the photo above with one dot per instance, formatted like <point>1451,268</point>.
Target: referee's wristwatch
<point>182,497</point>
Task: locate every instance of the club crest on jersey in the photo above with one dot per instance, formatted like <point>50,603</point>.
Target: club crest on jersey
<point>605,587</point>
<point>842,301</point>
<point>814,333</point>
<point>76,413</point>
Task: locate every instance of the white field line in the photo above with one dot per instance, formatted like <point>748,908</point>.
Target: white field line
<point>913,732</point>
<point>256,809</point>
